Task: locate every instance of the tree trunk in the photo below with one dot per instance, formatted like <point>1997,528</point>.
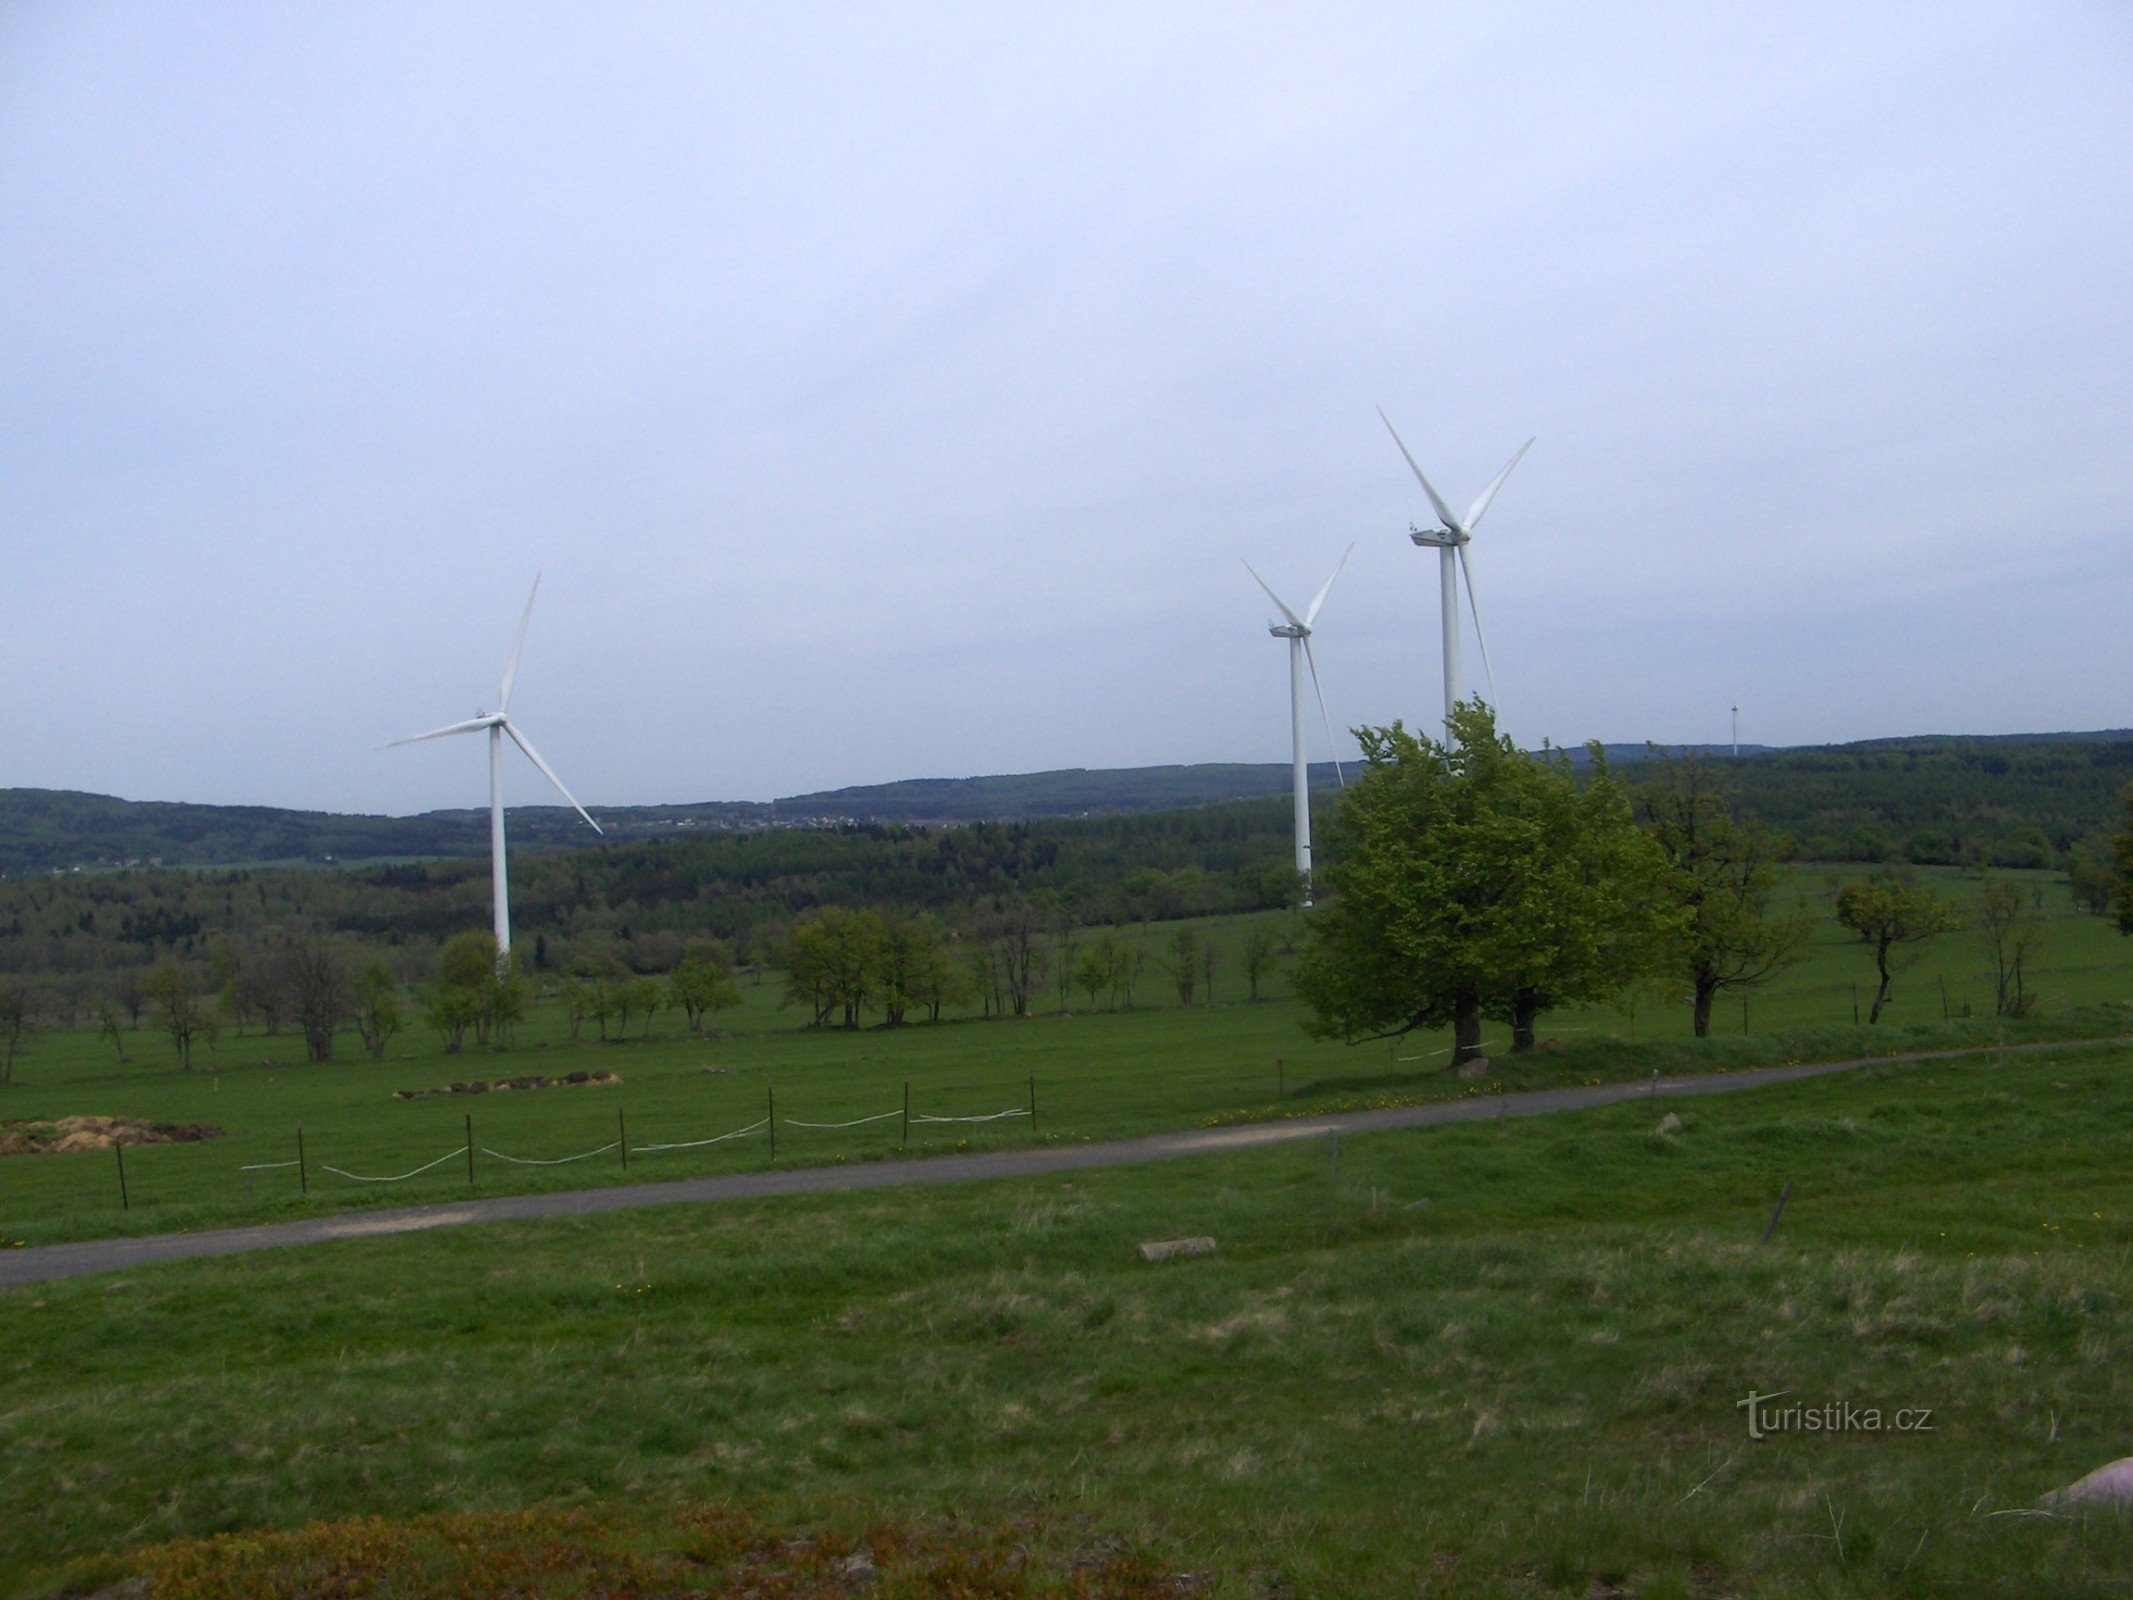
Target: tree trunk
<point>1466,1029</point>
<point>1706,992</point>
<point>1524,1010</point>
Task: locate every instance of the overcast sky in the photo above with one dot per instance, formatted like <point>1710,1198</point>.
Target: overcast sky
<point>895,391</point>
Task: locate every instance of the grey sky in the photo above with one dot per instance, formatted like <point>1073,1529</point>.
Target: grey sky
<point>892,392</point>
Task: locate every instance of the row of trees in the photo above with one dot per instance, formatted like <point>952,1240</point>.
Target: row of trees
<point>843,964</point>
<point>1468,880</point>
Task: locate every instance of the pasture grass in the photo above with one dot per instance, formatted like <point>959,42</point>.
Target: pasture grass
<point>1096,1074</point>
<point>1482,1359</point>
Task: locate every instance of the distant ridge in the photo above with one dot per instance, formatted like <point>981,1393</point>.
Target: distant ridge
<point>45,830</point>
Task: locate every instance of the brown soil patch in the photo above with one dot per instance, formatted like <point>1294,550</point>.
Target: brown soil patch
<point>64,1135</point>
<point>532,1080</point>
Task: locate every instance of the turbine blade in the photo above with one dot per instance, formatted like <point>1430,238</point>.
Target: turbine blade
<point>1481,503</point>
<point>1444,512</point>
<point>1311,616</point>
<point>475,725</point>
<point>1334,749</point>
<point>1271,595</point>
<point>548,772</point>
<point>1466,571</point>
<point>503,695</point>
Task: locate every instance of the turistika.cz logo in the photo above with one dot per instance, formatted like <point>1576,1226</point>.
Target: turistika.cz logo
<point>1766,1417</point>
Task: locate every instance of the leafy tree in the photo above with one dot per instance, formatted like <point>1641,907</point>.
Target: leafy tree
<point>1722,872</point>
<point>2091,876</point>
<point>1065,958</point>
<point>2009,930</point>
<point>1897,916</point>
<point>377,1008</point>
<point>1257,957</point>
<point>833,960</point>
<point>1469,879</point>
<point>918,968</point>
<point>182,1016</point>
<point>701,986</point>
<point>1183,964</point>
<point>1092,975</point>
<point>472,989</point>
<point>451,1011</point>
<point>316,979</point>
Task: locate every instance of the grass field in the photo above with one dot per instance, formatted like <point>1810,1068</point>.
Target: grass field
<point>1492,1359</point>
<point>1096,1074</point>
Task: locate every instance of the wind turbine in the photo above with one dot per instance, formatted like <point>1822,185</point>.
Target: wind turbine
<point>498,725</point>
<point>1451,539</point>
<point>1297,630</point>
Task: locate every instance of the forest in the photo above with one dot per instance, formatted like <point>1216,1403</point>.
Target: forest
<point>2032,803</point>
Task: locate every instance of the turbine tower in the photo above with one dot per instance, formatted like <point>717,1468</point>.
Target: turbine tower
<point>1297,630</point>
<point>1451,538</point>
<point>498,725</point>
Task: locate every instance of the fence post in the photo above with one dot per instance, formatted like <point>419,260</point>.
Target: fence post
<point>303,1172</point>
<point>1943,996</point>
<point>773,1097</point>
<point>1033,1103</point>
<point>1855,1003</point>
<point>470,1150</point>
<point>904,1138</point>
<point>1771,1226</point>
<point>125,1200</point>
<point>622,1133</point>
<point>1281,1086</point>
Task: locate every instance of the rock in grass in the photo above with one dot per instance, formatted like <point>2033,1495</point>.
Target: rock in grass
<point>1476,1068</point>
<point>2106,1487</point>
<point>1164,1249</point>
<point>1669,1123</point>
<point>858,1567</point>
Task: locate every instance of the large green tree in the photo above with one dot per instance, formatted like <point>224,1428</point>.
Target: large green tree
<point>1722,873</point>
<point>1469,879</point>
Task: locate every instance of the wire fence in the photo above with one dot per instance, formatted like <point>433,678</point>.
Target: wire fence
<point>765,1126</point>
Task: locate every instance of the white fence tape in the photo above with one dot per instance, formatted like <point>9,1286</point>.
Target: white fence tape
<point>266,1166</point>
<point>402,1177</point>
<point>994,1116</point>
<point>696,1144</point>
<point>552,1161</point>
<point>879,1116</point>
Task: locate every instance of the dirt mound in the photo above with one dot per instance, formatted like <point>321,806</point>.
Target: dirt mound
<point>63,1135</point>
<point>532,1080</point>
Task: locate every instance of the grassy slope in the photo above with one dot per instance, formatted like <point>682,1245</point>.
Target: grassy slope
<point>1526,1385</point>
<point>1098,1075</point>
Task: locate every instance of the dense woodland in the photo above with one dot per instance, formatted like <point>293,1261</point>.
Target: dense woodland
<point>69,939</point>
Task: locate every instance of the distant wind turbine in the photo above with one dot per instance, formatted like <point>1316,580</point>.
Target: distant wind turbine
<point>1451,539</point>
<point>1297,630</point>
<point>499,727</point>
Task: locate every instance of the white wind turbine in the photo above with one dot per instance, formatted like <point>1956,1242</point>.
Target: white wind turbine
<point>1297,630</point>
<point>1451,540</point>
<point>499,727</point>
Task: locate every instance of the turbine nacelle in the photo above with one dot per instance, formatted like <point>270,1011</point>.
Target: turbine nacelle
<point>1288,630</point>
<point>1439,538</point>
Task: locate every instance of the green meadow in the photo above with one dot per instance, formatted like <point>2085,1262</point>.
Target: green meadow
<point>1094,1074</point>
<point>1488,1359</point>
